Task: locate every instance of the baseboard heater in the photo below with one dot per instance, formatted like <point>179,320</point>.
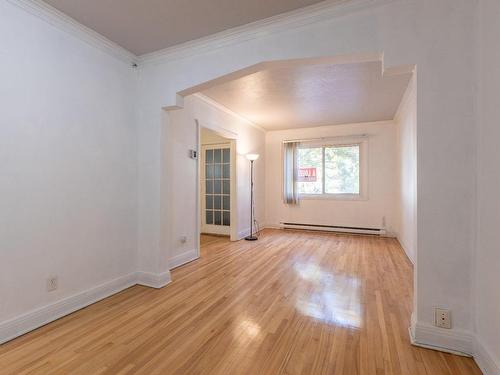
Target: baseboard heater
<point>335,228</point>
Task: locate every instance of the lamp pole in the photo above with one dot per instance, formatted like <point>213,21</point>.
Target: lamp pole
<point>251,237</point>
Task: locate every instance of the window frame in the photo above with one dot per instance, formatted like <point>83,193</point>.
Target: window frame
<point>362,143</point>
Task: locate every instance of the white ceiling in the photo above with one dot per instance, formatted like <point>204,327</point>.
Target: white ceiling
<point>144,26</point>
<point>313,95</point>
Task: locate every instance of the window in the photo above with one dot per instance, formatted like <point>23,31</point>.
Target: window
<point>310,170</point>
<point>329,170</point>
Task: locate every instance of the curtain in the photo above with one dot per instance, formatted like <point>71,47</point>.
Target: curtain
<point>290,195</point>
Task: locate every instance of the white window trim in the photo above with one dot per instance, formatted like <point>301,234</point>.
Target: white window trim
<point>363,169</point>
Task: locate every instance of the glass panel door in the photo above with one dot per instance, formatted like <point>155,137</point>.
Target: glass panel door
<point>216,216</point>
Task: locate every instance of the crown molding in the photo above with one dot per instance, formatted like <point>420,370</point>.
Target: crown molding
<point>319,12</point>
<point>67,24</point>
<point>224,109</point>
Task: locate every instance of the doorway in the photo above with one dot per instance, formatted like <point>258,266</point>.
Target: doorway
<point>217,192</point>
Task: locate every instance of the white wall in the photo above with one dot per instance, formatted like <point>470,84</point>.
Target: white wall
<point>68,161</point>
<point>181,137</point>
<point>487,262</point>
<point>406,122</point>
<point>209,137</point>
<point>432,35</point>
<point>382,181</point>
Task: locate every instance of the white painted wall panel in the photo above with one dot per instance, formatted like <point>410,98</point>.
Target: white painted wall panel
<point>68,161</point>
<point>487,261</point>
<point>406,122</point>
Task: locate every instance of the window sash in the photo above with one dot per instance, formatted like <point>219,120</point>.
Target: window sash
<point>323,169</point>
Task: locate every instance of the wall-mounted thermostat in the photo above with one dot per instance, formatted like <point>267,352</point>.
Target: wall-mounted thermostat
<point>193,154</point>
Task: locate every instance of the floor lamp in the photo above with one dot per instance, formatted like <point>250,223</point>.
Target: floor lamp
<point>252,158</point>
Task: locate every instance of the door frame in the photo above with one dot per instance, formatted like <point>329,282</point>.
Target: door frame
<point>232,140</point>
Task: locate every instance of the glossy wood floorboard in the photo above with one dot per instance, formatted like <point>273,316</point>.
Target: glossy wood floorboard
<point>289,303</point>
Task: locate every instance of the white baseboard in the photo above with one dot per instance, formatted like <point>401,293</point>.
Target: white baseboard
<point>390,234</point>
<point>186,257</point>
<point>485,360</point>
<point>405,249</point>
<point>447,340</point>
<point>36,318</point>
<point>243,233</point>
<point>271,226</point>
<point>20,325</point>
<point>456,342</point>
<point>153,280</point>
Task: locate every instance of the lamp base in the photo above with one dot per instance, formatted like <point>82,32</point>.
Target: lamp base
<point>251,238</point>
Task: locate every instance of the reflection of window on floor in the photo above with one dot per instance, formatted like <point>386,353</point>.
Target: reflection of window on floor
<point>217,189</point>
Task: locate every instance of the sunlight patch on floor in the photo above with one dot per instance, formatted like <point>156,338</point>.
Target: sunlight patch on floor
<point>332,299</point>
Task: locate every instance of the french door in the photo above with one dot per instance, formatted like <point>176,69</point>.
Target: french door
<point>216,189</point>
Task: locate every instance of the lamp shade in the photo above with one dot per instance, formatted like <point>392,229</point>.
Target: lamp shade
<point>252,157</point>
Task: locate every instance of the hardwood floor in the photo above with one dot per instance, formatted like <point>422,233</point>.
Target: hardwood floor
<point>289,303</point>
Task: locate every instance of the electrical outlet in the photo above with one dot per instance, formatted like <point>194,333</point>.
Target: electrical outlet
<point>51,283</point>
<point>442,318</point>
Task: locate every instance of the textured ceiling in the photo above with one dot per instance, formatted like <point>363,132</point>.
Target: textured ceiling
<point>314,95</point>
<point>144,26</point>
